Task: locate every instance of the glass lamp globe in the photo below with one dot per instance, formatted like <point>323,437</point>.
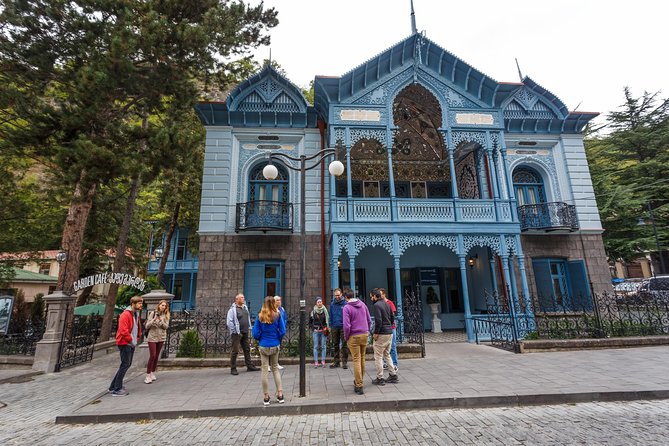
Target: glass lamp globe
<point>336,168</point>
<point>270,172</point>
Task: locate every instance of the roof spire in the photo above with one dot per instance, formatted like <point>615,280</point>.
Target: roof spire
<point>413,20</point>
<point>520,75</point>
<point>270,57</point>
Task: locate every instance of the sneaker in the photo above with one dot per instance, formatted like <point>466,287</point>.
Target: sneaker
<point>323,364</point>
<point>334,365</point>
<point>344,366</point>
<point>121,392</point>
<point>393,379</point>
<point>153,376</point>
<point>251,368</point>
<point>358,390</point>
<point>280,367</point>
<point>265,401</point>
<point>234,372</point>
<point>385,366</point>
<point>379,381</point>
<point>269,369</point>
<point>280,399</point>
<point>148,379</point>
<point>316,365</point>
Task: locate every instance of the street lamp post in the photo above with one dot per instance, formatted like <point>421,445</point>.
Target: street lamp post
<point>663,268</point>
<point>61,258</point>
<point>270,172</point>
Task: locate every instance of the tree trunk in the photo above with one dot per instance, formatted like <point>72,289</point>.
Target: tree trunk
<point>119,258</point>
<point>73,233</point>
<point>168,238</point>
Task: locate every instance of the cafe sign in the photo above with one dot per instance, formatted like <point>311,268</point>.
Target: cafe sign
<point>112,278</point>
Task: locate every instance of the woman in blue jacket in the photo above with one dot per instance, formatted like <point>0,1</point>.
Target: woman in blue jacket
<point>269,329</point>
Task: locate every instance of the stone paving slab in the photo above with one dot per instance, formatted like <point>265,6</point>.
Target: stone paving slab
<point>451,375</point>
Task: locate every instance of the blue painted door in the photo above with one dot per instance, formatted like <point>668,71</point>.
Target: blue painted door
<point>261,279</point>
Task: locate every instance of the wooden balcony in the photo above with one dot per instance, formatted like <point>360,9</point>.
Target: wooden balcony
<point>264,216</point>
<point>547,217</point>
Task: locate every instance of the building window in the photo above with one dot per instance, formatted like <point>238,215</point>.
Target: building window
<point>529,186</point>
<point>178,289</point>
<point>45,268</point>
<point>261,189</point>
<point>181,249</point>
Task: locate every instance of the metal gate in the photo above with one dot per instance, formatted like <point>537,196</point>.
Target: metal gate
<point>413,331</point>
<point>78,339</point>
<point>504,323</point>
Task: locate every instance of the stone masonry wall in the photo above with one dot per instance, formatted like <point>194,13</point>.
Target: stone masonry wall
<point>571,247</point>
<point>222,259</point>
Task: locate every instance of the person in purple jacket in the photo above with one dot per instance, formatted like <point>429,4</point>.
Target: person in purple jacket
<point>357,324</point>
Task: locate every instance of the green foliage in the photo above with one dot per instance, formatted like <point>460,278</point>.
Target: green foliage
<point>628,168</point>
<point>190,346</point>
<point>125,293</point>
<point>38,308</point>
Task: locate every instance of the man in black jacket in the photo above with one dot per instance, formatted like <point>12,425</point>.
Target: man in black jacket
<point>383,336</point>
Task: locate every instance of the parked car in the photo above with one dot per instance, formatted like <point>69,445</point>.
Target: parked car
<point>655,288</point>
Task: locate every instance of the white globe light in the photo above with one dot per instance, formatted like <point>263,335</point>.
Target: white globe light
<point>336,168</point>
<point>270,172</point>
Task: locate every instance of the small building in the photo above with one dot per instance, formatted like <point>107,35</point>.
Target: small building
<point>31,284</point>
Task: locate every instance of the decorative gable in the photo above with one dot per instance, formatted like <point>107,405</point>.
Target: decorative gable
<point>267,91</point>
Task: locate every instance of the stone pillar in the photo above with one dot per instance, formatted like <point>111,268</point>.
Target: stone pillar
<point>469,324</point>
<point>152,299</point>
<point>47,351</point>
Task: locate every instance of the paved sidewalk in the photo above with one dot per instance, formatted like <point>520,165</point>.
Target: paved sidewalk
<point>451,375</point>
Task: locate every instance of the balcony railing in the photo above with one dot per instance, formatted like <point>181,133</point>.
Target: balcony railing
<point>548,217</point>
<point>264,216</point>
<point>419,210</point>
<point>175,265</point>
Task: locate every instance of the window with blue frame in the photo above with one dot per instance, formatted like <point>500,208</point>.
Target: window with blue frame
<point>562,285</point>
<point>529,186</point>
<point>262,278</point>
<point>268,199</point>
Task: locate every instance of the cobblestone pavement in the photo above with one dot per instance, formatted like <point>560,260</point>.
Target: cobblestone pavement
<point>28,410</point>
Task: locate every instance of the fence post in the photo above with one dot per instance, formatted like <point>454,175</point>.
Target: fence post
<point>47,350</point>
<point>512,315</point>
<point>598,316</point>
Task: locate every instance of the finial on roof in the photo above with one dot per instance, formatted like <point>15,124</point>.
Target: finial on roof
<point>520,75</point>
<point>413,20</point>
<point>270,57</point>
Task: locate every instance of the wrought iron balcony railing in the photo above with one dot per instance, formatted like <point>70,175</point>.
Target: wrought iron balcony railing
<point>548,217</point>
<point>264,216</point>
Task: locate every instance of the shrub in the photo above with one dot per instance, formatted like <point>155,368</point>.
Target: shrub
<point>190,346</point>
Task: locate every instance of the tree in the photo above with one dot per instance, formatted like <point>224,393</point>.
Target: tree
<point>76,77</point>
<point>628,169</point>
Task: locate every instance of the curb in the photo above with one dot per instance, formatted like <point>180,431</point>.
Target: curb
<point>377,405</point>
<point>19,378</point>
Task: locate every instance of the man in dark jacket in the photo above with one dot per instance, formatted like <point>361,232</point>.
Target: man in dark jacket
<point>127,335</point>
<point>383,336</point>
<point>340,354</point>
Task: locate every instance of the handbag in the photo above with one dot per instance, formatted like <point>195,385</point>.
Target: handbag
<point>326,331</point>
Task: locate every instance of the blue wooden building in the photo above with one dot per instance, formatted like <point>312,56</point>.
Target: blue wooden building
<point>454,182</point>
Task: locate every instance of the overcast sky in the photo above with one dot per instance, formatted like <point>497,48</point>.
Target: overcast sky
<point>583,51</point>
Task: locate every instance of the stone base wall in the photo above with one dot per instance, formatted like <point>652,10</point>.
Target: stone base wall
<point>588,247</point>
<point>221,267</point>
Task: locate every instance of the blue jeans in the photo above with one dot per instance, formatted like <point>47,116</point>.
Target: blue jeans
<point>319,341</point>
<point>127,351</point>
<point>393,348</point>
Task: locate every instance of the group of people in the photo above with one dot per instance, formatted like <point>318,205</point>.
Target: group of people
<point>348,322</point>
<point>130,331</point>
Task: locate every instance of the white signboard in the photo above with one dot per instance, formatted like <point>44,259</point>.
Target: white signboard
<point>474,118</point>
<point>360,115</point>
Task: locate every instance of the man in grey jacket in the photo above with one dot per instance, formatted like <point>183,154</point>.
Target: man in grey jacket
<point>239,324</point>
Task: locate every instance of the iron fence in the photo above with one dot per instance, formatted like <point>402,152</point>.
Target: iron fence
<point>214,335</point>
<point>572,317</point>
<point>22,337</point>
